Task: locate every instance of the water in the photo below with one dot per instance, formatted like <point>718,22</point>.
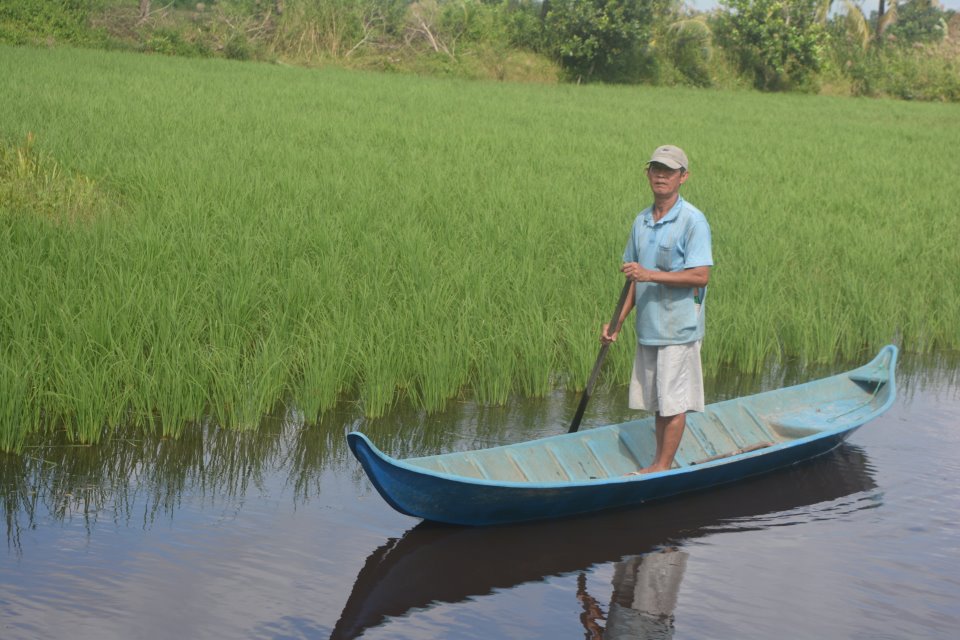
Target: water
<point>277,534</point>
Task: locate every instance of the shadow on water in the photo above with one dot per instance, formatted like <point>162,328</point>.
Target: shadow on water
<point>433,564</point>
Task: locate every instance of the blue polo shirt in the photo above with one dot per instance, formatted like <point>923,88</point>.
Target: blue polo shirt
<point>679,240</point>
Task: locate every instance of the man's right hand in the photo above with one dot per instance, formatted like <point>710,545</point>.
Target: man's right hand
<point>606,337</point>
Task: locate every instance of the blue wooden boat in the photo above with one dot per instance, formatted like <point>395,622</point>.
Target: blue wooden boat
<point>589,470</point>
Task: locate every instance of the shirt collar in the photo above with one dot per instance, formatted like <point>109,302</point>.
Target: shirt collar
<point>671,215</point>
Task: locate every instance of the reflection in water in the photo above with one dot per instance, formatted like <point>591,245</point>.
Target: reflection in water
<point>84,556</point>
<point>433,563</point>
<point>645,595</point>
<point>135,479</point>
<point>592,617</point>
<point>645,590</point>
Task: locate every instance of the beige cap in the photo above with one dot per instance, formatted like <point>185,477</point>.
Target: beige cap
<point>670,156</point>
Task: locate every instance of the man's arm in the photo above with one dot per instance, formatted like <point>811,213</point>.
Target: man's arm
<point>692,277</point>
<point>609,334</point>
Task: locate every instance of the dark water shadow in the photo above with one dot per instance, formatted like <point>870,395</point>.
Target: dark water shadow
<point>137,479</point>
<point>433,563</point>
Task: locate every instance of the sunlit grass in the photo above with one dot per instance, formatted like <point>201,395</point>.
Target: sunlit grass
<point>31,181</point>
<point>252,234</point>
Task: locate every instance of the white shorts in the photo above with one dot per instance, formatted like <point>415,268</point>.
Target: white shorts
<point>667,379</point>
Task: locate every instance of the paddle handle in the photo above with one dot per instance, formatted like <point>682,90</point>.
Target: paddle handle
<point>614,325</point>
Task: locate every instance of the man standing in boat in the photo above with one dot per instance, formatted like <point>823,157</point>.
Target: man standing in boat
<point>668,256</point>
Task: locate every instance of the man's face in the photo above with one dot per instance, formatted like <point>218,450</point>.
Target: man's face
<point>665,181</point>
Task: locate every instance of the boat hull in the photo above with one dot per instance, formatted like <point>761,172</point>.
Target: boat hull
<point>455,501</point>
<point>784,431</point>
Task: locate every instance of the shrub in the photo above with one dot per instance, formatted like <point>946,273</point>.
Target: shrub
<point>922,72</point>
<point>237,48</point>
<point>336,28</point>
<point>918,58</point>
<point>601,39</point>
<point>39,21</point>
<point>780,43</point>
<point>170,41</point>
<point>688,44</point>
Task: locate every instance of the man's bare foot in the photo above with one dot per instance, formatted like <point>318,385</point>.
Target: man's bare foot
<point>646,470</point>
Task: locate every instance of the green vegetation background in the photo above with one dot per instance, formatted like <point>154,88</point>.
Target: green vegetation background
<point>909,49</point>
<point>187,240</point>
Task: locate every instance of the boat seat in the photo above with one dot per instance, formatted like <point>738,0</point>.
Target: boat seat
<point>800,424</point>
<point>875,377</point>
<point>793,431</point>
<point>813,421</point>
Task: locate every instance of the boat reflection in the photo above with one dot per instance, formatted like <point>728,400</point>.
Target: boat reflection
<point>436,563</point>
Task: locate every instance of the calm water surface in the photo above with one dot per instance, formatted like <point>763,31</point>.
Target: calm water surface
<point>277,534</point>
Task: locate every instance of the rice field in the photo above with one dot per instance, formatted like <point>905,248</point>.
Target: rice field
<point>187,241</point>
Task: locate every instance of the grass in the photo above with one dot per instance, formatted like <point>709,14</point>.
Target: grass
<point>249,233</point>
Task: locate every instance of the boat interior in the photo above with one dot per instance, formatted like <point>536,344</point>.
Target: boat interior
<point>725,429</point>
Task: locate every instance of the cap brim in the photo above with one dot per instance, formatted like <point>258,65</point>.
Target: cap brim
<point>667,162</point>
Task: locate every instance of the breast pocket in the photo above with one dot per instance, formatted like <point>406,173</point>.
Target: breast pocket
<point>665,258</point>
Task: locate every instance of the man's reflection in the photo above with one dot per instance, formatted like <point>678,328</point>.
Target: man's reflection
<point>645,590</point>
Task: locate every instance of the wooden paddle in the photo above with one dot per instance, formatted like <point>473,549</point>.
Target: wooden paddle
<point>614,325</point>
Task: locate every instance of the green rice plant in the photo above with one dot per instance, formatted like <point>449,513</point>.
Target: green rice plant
<point>442,367</point>
<point>246,386</point>
<point>262,236</point>
<point>493,368</point>
<point>323,377</point>
<point>380,372</point>
<point>17,403</point>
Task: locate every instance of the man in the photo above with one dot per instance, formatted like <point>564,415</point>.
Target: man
<point>669,257</point>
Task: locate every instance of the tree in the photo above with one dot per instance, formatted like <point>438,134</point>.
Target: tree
<point>856,20</point>
<point>779,42</point>
<point>598,38</point>
<point>688,45</point>
<point>885,16</point>
<point>918,21</point>
<point>909,22</point>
